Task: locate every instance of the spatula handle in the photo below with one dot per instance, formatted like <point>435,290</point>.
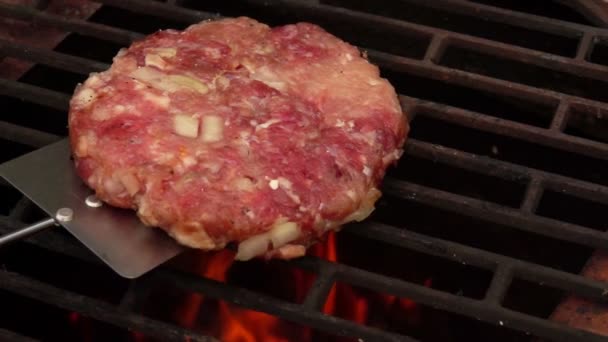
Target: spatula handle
<point>24,232</point>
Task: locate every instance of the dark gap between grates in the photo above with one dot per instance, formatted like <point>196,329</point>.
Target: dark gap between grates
<point>536,76</point>
<point>511,150</point>
<point>164,302</point>
<point>36,214</point>
<point>26,211</point>
<point>574,210</point>
<point>457,180</point>
<point>599,53</point>
<point>274,278</point>
<point>489,236</point>
<point>401,43</point>
<point>52,323</point>
<point>152,298</point>
<point>467,24</point>
<point>521,292</point>
<point>414,267</point>
<point>88,47</point>
<point>76,276</point>
<point>544,8</point>
<point>10,149</point>
<point>588,123</point>
<point>404,316</point>
<point>28,114</point>
<point>132,21</point>
<point>488,103</point>
<point>8,199</point>
<point>51,78</point>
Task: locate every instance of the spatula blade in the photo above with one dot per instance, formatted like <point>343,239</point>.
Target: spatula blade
<point>48,178</point>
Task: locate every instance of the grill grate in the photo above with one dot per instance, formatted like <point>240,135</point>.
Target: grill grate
<point>566,107</point>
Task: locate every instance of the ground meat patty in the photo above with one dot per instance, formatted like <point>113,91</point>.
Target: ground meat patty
<point>233,131</point>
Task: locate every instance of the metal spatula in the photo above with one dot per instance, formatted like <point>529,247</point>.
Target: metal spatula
<point>116,236</point>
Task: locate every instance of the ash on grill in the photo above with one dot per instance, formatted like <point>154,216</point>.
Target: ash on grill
<point>494,209</point>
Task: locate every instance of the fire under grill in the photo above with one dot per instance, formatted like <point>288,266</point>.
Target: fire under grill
<point>496,206</point>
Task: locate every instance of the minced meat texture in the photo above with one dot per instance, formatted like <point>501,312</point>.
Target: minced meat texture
<point>235,131</point>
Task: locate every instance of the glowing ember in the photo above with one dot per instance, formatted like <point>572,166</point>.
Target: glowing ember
<point>81,325</point>
<point>74,317</point>
<point>138,337</point>
<point>249,326</point>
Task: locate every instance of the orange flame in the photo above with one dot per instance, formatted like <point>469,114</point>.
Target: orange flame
<point>248,326</point>
<point>327,250</point>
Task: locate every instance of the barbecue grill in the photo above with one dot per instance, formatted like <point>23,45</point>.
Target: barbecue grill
<point>495,208</point>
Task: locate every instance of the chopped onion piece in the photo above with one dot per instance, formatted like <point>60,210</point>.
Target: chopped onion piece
<point>130,182</point>
<point>283,233</point>
<point>266,76</point>
<point>170,83</point>
<point>185,126</point>
<point>213,128</point>
<point>254,246</point>
<point>156,61</point>
<point>147,75</point>
<point>188,82</point>
<point>361,214</point>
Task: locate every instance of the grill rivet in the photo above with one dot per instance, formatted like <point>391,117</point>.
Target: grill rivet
<point>93,202</point>
<point>64,215</point>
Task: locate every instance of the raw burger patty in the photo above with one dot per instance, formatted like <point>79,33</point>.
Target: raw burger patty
<point>233,131</point>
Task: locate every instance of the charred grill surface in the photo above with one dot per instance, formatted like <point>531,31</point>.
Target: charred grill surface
<point>508,147</point>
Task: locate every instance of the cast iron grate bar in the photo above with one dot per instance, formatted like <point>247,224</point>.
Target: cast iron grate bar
<point>477,208</point>
<point>504,269</point>
<point>483,259</point>
<point>388,60</point>
<point>593,11</point>
<point>490,212</point>
<point>457,39</point>
<point>446,113</point>
<point>95,309</point>
<point>428,69</point>
<point>445,301</point>
<point>26,136</point>
<point>551,137</point>
<point>7,335</point>
<point>477,81</point>
<point>244,298</point>
<point>516,53</point>
<point>500,284</point>
<point>453,303</point>
<point>31,93</point>
<point>71,25</point>
<point>51,58</point>
<point>161,10</point>
<point>534,193</point>
<point>505,170</point>
<point>317,294</point>
<point>424,150</point>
